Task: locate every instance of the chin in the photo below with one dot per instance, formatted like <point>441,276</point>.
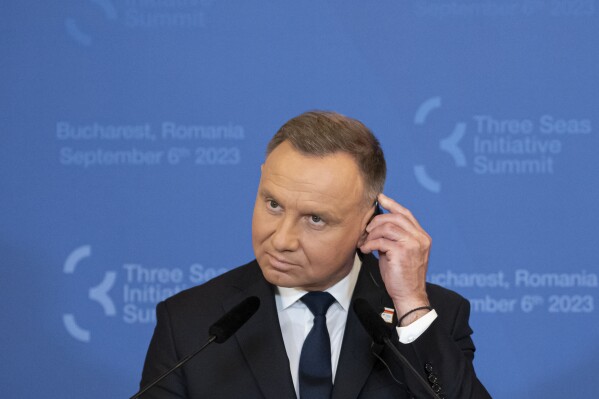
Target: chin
<point>279,279</point>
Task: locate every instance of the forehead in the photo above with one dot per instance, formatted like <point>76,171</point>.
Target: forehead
<point>332,179</point>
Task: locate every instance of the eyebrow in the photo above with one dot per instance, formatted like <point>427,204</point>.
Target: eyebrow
<point>265,193</point>
<point>325,214</point>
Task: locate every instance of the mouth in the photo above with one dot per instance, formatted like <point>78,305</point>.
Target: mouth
<point>279,263</point>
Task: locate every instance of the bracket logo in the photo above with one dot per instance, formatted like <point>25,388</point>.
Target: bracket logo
<point>80,36</point>
<point>450,144</point>
<point>502,146</point>
<point>99,293</point>
<point>144,15</point>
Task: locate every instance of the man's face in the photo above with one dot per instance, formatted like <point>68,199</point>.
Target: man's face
<point>309,217</point>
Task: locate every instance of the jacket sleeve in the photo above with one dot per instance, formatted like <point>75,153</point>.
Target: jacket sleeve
<point>444,354</point>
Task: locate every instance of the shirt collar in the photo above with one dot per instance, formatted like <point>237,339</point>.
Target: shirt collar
<point>342,291</point>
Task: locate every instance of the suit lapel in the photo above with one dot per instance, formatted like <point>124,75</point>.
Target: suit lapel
<point>356,359</point>
<point>262,345</point>
<point>260,339</point>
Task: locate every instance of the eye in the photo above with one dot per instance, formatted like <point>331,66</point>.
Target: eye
<point>273,206</point>
<point>316,221</point>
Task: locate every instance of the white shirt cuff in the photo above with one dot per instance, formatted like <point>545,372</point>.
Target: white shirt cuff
<point>411,332</point>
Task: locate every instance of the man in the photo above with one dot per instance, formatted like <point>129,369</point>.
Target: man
<point>314,230</point>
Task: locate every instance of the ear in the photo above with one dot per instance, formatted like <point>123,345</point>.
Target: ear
<point>368,216</point>
<point>362,239</point>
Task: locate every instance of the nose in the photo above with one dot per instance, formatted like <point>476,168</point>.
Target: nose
<point>285,238</point>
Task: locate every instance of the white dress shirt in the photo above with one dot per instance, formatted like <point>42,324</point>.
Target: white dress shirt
<point>296,320</point>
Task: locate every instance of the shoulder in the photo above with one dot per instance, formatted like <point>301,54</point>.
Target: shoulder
<point>188,314</point>
<point>441,295</point>
<point>451,307</point>
<point>215,290</point>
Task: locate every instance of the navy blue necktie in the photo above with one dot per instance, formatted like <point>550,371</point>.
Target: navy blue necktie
<point>315,374</point>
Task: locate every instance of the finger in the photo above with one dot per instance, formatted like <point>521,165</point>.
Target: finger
<point>380,244</point>
<point>394,207</point>
<point>402,237</point>
<point>390,231</point>
<point>397,219</point>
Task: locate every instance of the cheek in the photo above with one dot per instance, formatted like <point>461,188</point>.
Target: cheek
<point>263,227</point>
<point>258,228</point>
<point>325,252</point>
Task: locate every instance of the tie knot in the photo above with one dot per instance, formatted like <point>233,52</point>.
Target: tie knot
<point>318,302</point>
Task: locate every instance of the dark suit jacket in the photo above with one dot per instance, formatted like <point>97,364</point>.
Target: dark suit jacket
<point>253,363</point>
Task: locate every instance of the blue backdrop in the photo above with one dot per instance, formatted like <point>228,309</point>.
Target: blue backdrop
<point>133,132</point>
